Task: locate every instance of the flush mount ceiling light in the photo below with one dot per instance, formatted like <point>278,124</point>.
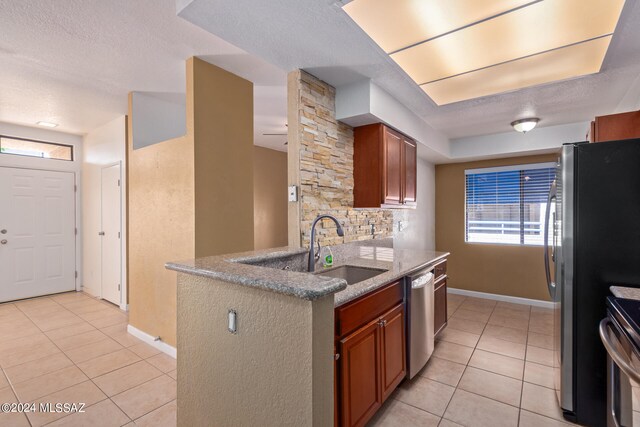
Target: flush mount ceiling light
<point>463,49</point>
<point>525,125</point>
<point>47,124</point>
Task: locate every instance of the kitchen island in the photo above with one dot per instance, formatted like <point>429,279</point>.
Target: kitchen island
<point>256,327</point>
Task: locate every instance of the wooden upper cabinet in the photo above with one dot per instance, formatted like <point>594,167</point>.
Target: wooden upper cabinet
<point>384,168</point>
<point>615,127</point>
<point>410,171</point>
<point>392,168</point>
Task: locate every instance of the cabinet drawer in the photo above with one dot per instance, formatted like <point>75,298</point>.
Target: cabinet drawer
<point>440,270</point>
<point>361,311</point>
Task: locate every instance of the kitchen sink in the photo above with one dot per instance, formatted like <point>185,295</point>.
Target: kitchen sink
<point>351,273</point>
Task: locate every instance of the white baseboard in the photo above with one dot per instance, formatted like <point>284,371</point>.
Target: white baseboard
<point>498,297</point>
<point>149,339</point>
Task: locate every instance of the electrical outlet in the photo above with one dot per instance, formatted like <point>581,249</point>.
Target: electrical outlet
<point>293,193</point>
<point>402,225</point>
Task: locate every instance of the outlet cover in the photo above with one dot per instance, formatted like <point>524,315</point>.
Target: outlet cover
<point>293,193</point>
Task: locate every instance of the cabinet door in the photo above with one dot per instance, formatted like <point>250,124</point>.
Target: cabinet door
<point>409,171</point>
<point>617,126</point>
<point>392,168</point>
<point>440,305</point>
<point>336,393</point>
<point>393,356</point>
<point>359,375</point>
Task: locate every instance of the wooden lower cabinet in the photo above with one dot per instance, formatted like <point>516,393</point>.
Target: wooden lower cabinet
<point>373,363</point>
<point>361,394</point>
<point>440,305</point>
<point>393,346</point>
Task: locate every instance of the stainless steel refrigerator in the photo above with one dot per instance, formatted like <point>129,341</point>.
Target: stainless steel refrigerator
<point>593,228</point>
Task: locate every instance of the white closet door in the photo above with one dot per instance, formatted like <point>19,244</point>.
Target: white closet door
<point>111,237</point>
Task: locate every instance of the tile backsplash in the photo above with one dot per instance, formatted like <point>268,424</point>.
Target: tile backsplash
<point>326,170</point>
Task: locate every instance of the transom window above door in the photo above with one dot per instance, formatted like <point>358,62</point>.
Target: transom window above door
<point>33,148</point>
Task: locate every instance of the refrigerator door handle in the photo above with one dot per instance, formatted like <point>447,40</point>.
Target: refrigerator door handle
<point>554,237</point>
<point>547,267</point>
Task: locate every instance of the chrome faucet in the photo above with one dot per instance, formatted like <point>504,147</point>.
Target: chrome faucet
<point>312,255</point>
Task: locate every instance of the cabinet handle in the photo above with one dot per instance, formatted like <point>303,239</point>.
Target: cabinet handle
<point>382,323</point>
<point>336,356</point>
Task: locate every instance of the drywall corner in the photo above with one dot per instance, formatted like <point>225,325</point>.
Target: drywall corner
<point>161,228</point>
<point>157,117</point>
<point>363,102</point>
<point>220,128</point>
<point>103,146</point>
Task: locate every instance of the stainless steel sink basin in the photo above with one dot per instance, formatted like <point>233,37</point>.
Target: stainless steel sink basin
<point>351,273</point>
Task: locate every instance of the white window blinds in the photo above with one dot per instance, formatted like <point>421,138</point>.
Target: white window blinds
<point>507,204</point>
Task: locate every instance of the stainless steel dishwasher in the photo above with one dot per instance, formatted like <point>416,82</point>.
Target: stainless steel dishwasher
<point>420,320</point>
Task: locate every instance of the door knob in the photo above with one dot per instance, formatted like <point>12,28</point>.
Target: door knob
<point>4,241</point>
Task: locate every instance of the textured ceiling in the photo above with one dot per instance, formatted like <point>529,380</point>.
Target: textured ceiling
<point>73,62</point>
<point>317,35</point>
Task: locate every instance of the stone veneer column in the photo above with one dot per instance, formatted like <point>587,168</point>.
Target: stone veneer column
<point>320,153</point>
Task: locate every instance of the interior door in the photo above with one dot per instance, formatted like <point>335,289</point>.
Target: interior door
<point>111,234</point>
<point>37,233</point>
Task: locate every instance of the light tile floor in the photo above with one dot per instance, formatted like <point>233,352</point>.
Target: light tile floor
<point>72,348</point>
<point>492,366</point>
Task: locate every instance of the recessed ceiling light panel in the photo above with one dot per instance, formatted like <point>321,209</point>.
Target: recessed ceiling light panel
<point>435,40</point>
<point>400,23</point>
<point>541,27</point>
<point>561,64</point>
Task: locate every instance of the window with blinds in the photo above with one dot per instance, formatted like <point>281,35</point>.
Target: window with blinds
<point>507,204</point>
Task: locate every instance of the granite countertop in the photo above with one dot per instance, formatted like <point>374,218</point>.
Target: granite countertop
<point>264,269</point>
<point>624,292</point>
<point>398,262</point>
<point>232,268</point>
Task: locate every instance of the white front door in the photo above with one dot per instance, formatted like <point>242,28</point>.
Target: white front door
<point>37,233</point>
<point>111,234</point>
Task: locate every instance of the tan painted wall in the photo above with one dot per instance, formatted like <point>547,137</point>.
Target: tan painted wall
<point>161,227</point>
<point>220,115</point>
<point>269,198</point>
<point>276,371</point>
<point>189,196</point>
<point>498,269</point>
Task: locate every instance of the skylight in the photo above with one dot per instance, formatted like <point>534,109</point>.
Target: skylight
<point>464,49</point>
